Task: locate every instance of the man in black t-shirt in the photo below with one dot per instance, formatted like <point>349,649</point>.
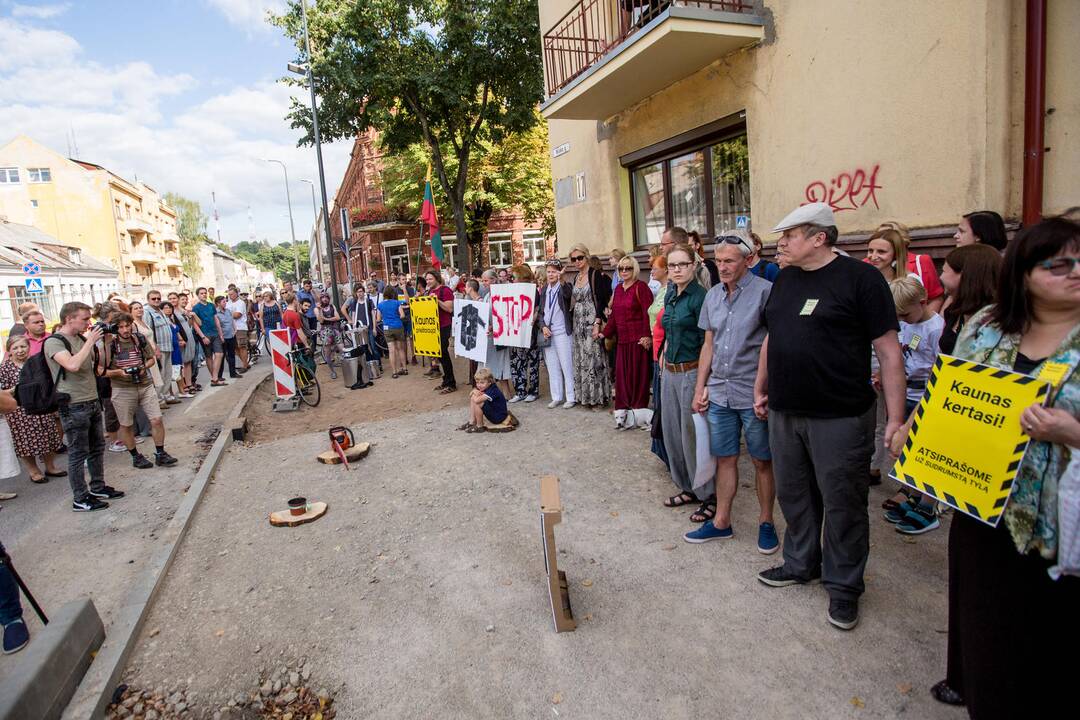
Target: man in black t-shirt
<point>824,313</point>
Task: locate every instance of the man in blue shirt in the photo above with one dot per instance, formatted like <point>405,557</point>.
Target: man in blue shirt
<point>309,315</point>
<point>213,348</point>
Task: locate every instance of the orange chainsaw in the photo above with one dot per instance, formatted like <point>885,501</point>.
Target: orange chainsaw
<point>341,439</point>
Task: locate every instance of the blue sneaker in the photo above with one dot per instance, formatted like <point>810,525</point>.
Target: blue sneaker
<point>708,532</point>
<point>15,636</point>
<point>767,541</point>
<point>897,515</point>
<point>919,520</point>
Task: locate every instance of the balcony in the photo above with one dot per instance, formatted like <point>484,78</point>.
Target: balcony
<point>605,55</point>
<point>138,225</point>
<point>144,257</point>
<point>173,262</point>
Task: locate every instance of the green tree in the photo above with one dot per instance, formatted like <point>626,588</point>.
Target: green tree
<point>513,174</point>
<point>191,229</point>
<point>450,74</point>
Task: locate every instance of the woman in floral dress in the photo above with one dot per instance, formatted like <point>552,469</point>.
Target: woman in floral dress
<point>33,435</point>
<point>591,292</point>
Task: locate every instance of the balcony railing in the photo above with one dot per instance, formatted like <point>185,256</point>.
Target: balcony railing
<point>593,28</point>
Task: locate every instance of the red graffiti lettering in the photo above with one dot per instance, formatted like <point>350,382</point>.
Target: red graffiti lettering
<point>497,325</point>
<point>846,191</point>
<point>510,313</point>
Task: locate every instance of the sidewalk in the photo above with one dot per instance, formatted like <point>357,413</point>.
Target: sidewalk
<point>63,555</point>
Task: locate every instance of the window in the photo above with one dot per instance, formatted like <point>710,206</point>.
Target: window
<point>75,256</point>
<point>579,187</point>
<point>17,295</point>
<point>40,175</point>
<point>33,203</point>
<point>9,175</point>
<point>704,187</point>
<point>454,254</point>
<point>533,244</point>
<point>500,250</point>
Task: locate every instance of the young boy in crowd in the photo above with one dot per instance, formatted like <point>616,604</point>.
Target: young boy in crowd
<point>920,333</point>
<point>486,402</point>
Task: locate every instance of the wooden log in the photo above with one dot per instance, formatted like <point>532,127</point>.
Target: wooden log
<point>284,518</point>
<point>354,453</point>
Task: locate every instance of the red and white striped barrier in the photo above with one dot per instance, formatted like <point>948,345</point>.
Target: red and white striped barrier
<point>284,385</point>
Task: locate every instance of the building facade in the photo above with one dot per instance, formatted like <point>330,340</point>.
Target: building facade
<point>725,113</point>
<point>126,224</point>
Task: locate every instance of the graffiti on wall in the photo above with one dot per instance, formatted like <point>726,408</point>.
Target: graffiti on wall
<point>847,191</point>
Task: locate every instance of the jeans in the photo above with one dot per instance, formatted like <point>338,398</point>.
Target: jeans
<point>230,357</point>
<point>10,607</point>
<point>83,424</point>
<point>445,360</point>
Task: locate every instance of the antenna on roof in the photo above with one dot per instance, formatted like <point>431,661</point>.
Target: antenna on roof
<point>75,142</point>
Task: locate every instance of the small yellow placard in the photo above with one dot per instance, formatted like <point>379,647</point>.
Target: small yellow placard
<point>808,307</point>
<point>966,443</point>
<point>1053,373</point>
<point>425,325</point>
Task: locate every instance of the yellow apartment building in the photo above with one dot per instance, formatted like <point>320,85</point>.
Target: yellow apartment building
<point>725,113</point>
<point>85,205</point>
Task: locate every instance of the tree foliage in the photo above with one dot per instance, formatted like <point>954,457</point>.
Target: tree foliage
<point>513,174</point>
<point>278,259</point>
<point>450,74</point>
<point>191,229</point>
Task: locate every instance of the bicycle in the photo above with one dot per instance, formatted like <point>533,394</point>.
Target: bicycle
<point>303,372</point>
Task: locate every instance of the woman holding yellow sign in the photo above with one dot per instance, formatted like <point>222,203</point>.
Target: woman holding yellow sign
<point>1006,613</point>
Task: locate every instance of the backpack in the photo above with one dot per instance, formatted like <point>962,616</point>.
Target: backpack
<point>36,390</point>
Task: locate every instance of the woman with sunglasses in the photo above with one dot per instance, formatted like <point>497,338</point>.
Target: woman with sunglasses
<point>589,296</point>
<point>629,325</point>
<point>1005,607</point>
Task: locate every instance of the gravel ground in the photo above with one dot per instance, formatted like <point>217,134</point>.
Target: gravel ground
<point>421,593</point>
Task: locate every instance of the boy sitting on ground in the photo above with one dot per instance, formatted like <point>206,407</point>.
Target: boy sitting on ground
<point>487,407</point>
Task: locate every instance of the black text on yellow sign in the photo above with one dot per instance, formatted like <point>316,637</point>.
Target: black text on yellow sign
<point>966,443</point>
<point>425,326</point>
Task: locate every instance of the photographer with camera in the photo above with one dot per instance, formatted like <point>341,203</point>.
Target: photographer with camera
<point>71,357</point>
<point>128,358</point>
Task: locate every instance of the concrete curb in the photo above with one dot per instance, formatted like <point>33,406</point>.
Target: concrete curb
<point>51,666</point>
<point>96,689</point>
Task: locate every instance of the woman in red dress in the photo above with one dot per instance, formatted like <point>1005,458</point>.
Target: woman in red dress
<point>629,325</point>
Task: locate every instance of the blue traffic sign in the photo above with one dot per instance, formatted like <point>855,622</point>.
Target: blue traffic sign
<point>34,286</point>
<point>742,221</point>
<point>31,268</point>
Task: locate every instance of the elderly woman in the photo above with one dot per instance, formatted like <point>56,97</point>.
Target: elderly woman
<point>682,346</point>
<point>556,323</point>
<point>629,326</point>
<point>525,362</point>
<point>34,436</point>
<point>1005,609</point>
<point>498,356</point>
<point>589,296</point>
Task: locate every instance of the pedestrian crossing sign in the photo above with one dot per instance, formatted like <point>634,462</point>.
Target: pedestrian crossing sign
<point>34,286</point>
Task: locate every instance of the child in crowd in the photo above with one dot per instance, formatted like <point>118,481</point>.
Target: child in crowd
<point>920,333</point>
<point>487,403</point>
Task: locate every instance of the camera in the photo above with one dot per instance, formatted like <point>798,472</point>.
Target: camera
<point>134,373</point>
<point>107,328</point>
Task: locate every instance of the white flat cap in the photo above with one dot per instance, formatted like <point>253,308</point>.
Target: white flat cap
<point>818,213</point>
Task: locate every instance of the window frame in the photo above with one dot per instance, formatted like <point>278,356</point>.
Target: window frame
<point>500,239</point>
<point>534,238</point>
<point>6,175</point>
<point>37,181</point>
<point>699,139</point>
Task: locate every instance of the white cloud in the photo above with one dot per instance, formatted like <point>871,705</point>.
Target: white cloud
<point>217,143</point>
<point>40,12</point>
<point>249,15</point>
<point>25,46</point>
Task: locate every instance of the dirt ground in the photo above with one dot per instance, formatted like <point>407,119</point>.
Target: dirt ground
<point>422,593</point>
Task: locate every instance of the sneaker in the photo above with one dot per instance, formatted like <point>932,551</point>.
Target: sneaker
<point>172,400</point>
<point>186,395</point>
<point>780,577</point>
<point>843,613</point>
<point>139,439</point>
<point>140,461</point>
<point>516,398</point>
<point>164,459</point>
<point>554,404</point>
<point>107,493</point>
<point>767,541</point>
<point>88,505</point>
<point>531,398</point>
<point>708,532</point>
<point>919,520</point>
<point>117,447</point>
<point>569,404</point>
<point>15,636</point>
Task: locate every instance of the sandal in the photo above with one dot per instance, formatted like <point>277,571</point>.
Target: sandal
<point>707,511</point>
<point>476,429</point>
<point>466,426</point>
<point>447,390</point>
<point>680,500</point>
<point>894,504</point>
<point>403,372</point>
<point>56,473</point>
<point>40,479</point>
<point>394,376</point>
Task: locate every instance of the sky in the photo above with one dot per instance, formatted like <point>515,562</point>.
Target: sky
<point>182,94</point>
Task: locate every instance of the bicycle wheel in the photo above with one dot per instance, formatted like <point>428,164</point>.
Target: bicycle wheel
<point>307,385</point>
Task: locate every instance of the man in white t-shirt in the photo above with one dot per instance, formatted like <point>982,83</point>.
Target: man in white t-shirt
<point>237,306</point>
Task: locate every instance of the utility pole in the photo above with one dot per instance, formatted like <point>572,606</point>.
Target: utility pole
<point>292,227</point>
<point>318,245</point>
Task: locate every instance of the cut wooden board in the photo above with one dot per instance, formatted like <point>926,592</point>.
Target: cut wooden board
<point>558,589</point>
<point>283,518</point>
<point>352,454</point>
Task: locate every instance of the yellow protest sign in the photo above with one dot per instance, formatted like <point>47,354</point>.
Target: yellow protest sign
<point>966,442</point>
<point>425,326</point>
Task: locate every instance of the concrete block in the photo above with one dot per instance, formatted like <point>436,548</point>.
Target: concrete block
<point>48,670</point>
<point>238,427</point>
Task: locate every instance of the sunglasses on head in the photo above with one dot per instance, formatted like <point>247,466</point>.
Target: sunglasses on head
<point>734,240</point>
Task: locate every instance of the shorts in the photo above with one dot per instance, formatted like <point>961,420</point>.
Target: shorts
<point>394,334</point>
<point>215,346</point>
<point>725,425</point>
<point>242,338</point>
<point>126,398</point>
<point>490,415</point>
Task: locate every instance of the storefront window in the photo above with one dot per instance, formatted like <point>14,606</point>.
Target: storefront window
<point>649,213</point>
<point>730,184</point>
<point>688,204</point>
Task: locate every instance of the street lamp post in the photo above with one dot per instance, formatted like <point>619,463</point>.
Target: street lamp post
<point>318,151</point>
<point>315,209</point>
<point>292,227</point>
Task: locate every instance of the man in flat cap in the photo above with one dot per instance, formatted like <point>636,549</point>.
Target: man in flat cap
<point>824,313</point>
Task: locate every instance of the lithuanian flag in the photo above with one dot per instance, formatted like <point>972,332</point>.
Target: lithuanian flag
<point>430,218</point>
